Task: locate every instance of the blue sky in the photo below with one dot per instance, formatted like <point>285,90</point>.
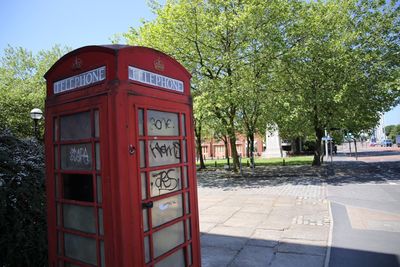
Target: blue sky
<point>40,24</point>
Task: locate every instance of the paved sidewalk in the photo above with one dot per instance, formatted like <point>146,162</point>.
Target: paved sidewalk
<point>280,217</point>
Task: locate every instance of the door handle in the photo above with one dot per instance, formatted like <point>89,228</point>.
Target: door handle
<point>147,205</point>
<point>131,149</point>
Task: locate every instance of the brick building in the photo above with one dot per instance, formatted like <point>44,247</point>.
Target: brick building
<point>215,149</point>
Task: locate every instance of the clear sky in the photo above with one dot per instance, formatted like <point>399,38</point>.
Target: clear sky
<point>40,24</point>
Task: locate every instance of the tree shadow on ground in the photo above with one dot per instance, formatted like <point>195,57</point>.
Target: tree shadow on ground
<point>336,173</point>
<point>223,250</point>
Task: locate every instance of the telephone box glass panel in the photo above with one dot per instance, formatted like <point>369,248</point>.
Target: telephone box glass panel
<point>163,152</point>
<point>76,157</point>
<point>166,209</point>
<point>162,123</point>
<point>76,126</point>
<point>165,181</point>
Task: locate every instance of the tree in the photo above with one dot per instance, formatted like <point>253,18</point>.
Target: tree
<point>215,40</point>
<point>343,69</point>
<point>392,131</point>
<point>23,86</point>
<point>23,231</point>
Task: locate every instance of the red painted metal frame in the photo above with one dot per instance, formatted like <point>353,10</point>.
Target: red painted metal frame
<point>117,98</point>
<point>184,191</point>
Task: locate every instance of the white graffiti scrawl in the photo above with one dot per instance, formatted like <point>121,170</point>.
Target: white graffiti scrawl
<point>79,155</point>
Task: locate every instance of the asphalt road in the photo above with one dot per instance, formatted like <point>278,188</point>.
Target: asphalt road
<point>365,205</point>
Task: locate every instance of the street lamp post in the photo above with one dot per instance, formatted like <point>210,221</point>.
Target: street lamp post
<point>36,115</point>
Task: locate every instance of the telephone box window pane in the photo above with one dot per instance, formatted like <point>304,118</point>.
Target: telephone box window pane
<point>187,203</point>
<point>76,157</point>
<point>189,230</point>
<point>55,132</point>
<point>99,190</point>
<point>163,152</point>
<point>177,259</point>
<point>68,264</point>
<point>162,123</point>
<point>183,125</point>
<point>57,186</point>
<point>79,218</point>
<point>98,161</point>
<point>76,126</point>
<point>59,243</point>
<point>189,250</point>
<point>141,127</point>
<point>168,238</point>
<point>185,175</point>
<point>184,151</point>
<point>165,181</point>
<point>142,155</point>
<point>80,248</point>
<point>55,157</point>
<point>96,124</point>
<point>146,249</point>
<point>78,187</point>
<point>58,214</point>
<point>145,220</point>
<point>166,210</point>
<point>102,256</point>
<point>143,182</point>
<point>101,227</point>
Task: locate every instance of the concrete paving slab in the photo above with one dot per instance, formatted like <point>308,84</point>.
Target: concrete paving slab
<point>232,231</point>
<point>216,256</point>
<point>297,246</point>
<point>206,227</point>
<point>275,223</point>
<point>213,218</point>
<point>253,256</point>
<point>221,210</point>
<point>245,219</point>
<point>307,232</point>
<point>265,238</point>
<point>264,209</point>
<point>222,241</point>
<point>297,260</point>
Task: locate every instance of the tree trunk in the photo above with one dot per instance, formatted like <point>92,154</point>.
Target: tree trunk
<point>251,138</point>
<point>197,131</point>
<point>319,133</point>
<point>248,149</point>
<point>225,139</point>
<point>232,140</point>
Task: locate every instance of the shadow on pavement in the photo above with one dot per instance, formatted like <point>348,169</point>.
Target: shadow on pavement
<point>222,250</point>
<point>336,173</point>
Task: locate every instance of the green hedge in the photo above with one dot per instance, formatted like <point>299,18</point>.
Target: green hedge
<point>23,236</point>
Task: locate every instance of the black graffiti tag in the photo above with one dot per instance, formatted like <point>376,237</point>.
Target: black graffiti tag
<point>164,181</point>
<point>164,150</point>
<point>159,123</point>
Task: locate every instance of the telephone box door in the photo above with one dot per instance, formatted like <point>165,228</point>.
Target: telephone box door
<point>166,177</point>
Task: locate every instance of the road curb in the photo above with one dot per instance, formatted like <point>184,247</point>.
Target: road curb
<point>329,245</point>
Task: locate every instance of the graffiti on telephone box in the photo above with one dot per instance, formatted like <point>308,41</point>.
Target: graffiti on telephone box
<point>165,181</point>
<point>76,157</point>
<point>162,123</point>
<point>162,152</point>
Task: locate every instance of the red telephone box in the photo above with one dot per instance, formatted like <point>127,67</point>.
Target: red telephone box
<point>120,164</point>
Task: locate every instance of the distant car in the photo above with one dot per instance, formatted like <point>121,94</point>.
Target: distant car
<point>372,144</point>
<point>386,142</point>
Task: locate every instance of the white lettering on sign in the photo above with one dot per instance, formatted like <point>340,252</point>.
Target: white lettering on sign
<point>151,78</point>
<point>80,80</point>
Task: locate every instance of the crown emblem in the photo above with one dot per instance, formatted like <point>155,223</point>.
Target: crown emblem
<point>158,64</point>
<point>77,64</point>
